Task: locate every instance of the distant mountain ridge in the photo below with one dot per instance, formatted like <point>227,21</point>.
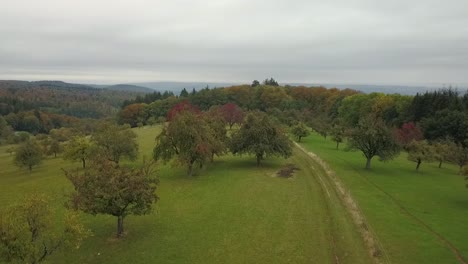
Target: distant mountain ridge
<point>176,87</point>
<point>65,85</point>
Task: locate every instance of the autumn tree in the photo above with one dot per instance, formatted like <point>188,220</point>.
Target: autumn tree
<point>188,137</point>
<point>79,148</point>
<point>260,136</point>
<point>133,114</point>
<point>419,152</point>
<point>181,107</point>
<point>28,154</point>
<point>107,188</point>
<point>116,142</point>
<point>408,133</point>
<point>373,138</point>
<point>299,131</point>
<point>232,114</point>
<point>29,233</point>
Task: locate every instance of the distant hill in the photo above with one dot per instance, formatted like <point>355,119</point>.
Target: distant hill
<point>387,89</point>
<point>176,87</point>
<point>129,88</point>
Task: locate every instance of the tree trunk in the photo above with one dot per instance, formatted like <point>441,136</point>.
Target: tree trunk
<point>120,228</point>
<point>83,161</point>
<point>368,163</point>
<point>230,126</point>
<point>55,154</point>
<point>299,139</point>
<point>259,158</point>
<point>418,164</point>
<point>440,164</point>
<point>30,168</point>
<point>212,157</point>
<point>337,144</point>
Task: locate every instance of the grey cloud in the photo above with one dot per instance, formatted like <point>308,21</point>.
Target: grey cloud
<point>402,42</point>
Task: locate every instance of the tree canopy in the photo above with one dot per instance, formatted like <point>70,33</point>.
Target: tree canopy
<point>261,137</point>
<point>29,233</point>
<point>373,138</point>
<point>107,188</point>
<point>28,154</point>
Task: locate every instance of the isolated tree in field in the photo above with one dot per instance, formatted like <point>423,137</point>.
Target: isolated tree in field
<point>373,138</point>
<point>107,188</point>
<point>79,148</point>
<point>232,114</point>
<point>458,155</point>
<point>28,154</point>
<point>189,138</point>
<point>116,142</point>
<point>255,83</point>
<point>442,151</point>
<point>260,136</point>
<point>419,152</point>
<point>54,148</point>
<point>299,131</point>
<point>337,133</point>
<point>29,233</point>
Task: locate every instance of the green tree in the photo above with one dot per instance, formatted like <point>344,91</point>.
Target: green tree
<point>255,83</point>
<point>458,155</point>
<point>373,138</point>
<point>260,136</point>
<point>420,151</point>
<point>28,154</point>
<point>29,233</point>
<point>338,134</point>
<point>187,136</point>
<point>115,142</point>
<point>442,151</point>
<point>79,148</point>
<point>107,188</point>
<point>184,93</point>
<point>300,131</point>
<point>54,148</point>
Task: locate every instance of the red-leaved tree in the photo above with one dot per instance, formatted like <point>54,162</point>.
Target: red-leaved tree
<point>232,114</point>
<point>407,133</point>
<point>181,107</point>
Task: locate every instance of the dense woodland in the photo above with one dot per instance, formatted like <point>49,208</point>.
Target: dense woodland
<point>38,107</point>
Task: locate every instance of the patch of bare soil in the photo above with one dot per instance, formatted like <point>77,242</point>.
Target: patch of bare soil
<point>287,171</point>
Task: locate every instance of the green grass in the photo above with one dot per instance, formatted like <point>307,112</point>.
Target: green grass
<point>232,212</point>
<point>437,197</point>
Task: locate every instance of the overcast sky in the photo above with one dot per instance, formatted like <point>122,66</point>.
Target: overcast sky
<point>333,41</point>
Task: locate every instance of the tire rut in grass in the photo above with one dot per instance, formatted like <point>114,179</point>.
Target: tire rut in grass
<point>371,242</point>
<point>455,251</point>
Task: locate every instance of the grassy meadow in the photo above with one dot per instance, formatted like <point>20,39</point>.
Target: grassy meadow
<point>405,208</point>
<point>231,212</point>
